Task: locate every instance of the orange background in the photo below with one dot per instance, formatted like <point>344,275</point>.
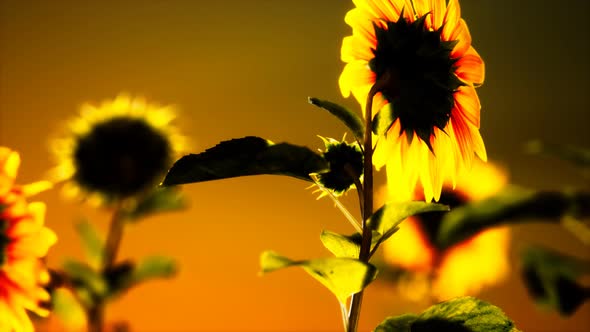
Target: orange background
<point>237,68</point>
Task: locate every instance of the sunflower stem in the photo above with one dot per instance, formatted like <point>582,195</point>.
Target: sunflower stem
<point>367,203</point>
<point>96,313</point>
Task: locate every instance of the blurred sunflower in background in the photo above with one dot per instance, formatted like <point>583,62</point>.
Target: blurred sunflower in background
<point>462,269</point>
<point>24,240</point>
<point>418,55</point>
<point>116,150</point>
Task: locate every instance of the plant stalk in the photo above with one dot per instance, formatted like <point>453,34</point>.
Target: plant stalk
<point>96,314</point>
<point>367,203</point>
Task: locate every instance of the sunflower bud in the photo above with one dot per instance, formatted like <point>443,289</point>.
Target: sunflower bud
<point>346,165</point>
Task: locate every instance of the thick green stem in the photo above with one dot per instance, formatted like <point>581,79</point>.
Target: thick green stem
<point>95,314</point>
<point>367,210</point>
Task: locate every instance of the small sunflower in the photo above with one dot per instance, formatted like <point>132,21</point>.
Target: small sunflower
<point>118,149</point>
<point>466,267</point>
<point>346,166</point>
<point>420,54</point>
<point>23,241</point>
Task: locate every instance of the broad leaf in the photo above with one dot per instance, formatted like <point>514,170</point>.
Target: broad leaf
<point>126,275</point>
<point>465,314</point>
<point>154,267</point>
<point>67,308</point>
<point>401,323</point>
<point>510,206</point>
<point>342,276</point>
<point>385,220</point>
<point>348,117</point>
<point>552,279</point>
<point>246,156</point>
<point>348,245</point>
<point>392,214</point>
<point>92,243</point>
<point>341,245</point>
<point>86,277</point>
<point>159,200</point>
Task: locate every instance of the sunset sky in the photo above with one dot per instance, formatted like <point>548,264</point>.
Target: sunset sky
<point>239,68</point>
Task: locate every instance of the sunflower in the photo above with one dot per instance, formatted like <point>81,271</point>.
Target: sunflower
<point>466,267</point>
<point>418,54</point>
<point>23,241</point>
<point>116,150</point>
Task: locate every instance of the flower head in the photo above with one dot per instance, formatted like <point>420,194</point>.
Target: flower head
<point>466,267</point>
<point>418,54</point>
<point>118,149</point>
<point>346,166</point>
<point>23,241</point>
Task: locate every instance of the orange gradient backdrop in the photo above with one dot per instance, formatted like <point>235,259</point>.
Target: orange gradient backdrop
<point>237,68</point>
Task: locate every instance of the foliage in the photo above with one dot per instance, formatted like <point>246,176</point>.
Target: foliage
<point>465,314</point>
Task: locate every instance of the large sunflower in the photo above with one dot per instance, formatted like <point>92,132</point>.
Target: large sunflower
<point>466,267</point>
<point>23,241</point>
<point>117,150</point>
<point>419,55</point>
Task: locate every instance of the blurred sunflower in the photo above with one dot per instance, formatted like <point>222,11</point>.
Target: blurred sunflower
<point>464,268</point>
<point>23,241</point>
<point>116,150</point>
<point>418,55</point>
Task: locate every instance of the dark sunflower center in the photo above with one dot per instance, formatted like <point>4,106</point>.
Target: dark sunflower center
<point>430,222</point>
<point>121,157</point>
<point>416,70</point>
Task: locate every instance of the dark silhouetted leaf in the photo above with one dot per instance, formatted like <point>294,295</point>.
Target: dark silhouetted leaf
<point>348,117</point>
<point>510,206</point>
<point>159,200</point>
<point>551,279</point>
<point>342,276</point>
<point>465,314</point>
<point>246,156</point>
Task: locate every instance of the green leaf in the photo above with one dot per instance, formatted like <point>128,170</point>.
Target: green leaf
<point>510,206</point>
<point>386,219</point>
<point>390,215</point>
<point>342,276</point>
<point>126,275</point>
<point>159,200</point>
<point>576,155</point>
<point>154,267</point>
<point>348,117</point>
<point>465,314</point>
<point>67,309</point>
<point>383,120</point>
<point>246,156</point>
<point>86,277</point>
<point>92,243</point>
<point>348,245</point>
<point>341,245</point>
<point>551,279</point>
<point>401,323</point>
